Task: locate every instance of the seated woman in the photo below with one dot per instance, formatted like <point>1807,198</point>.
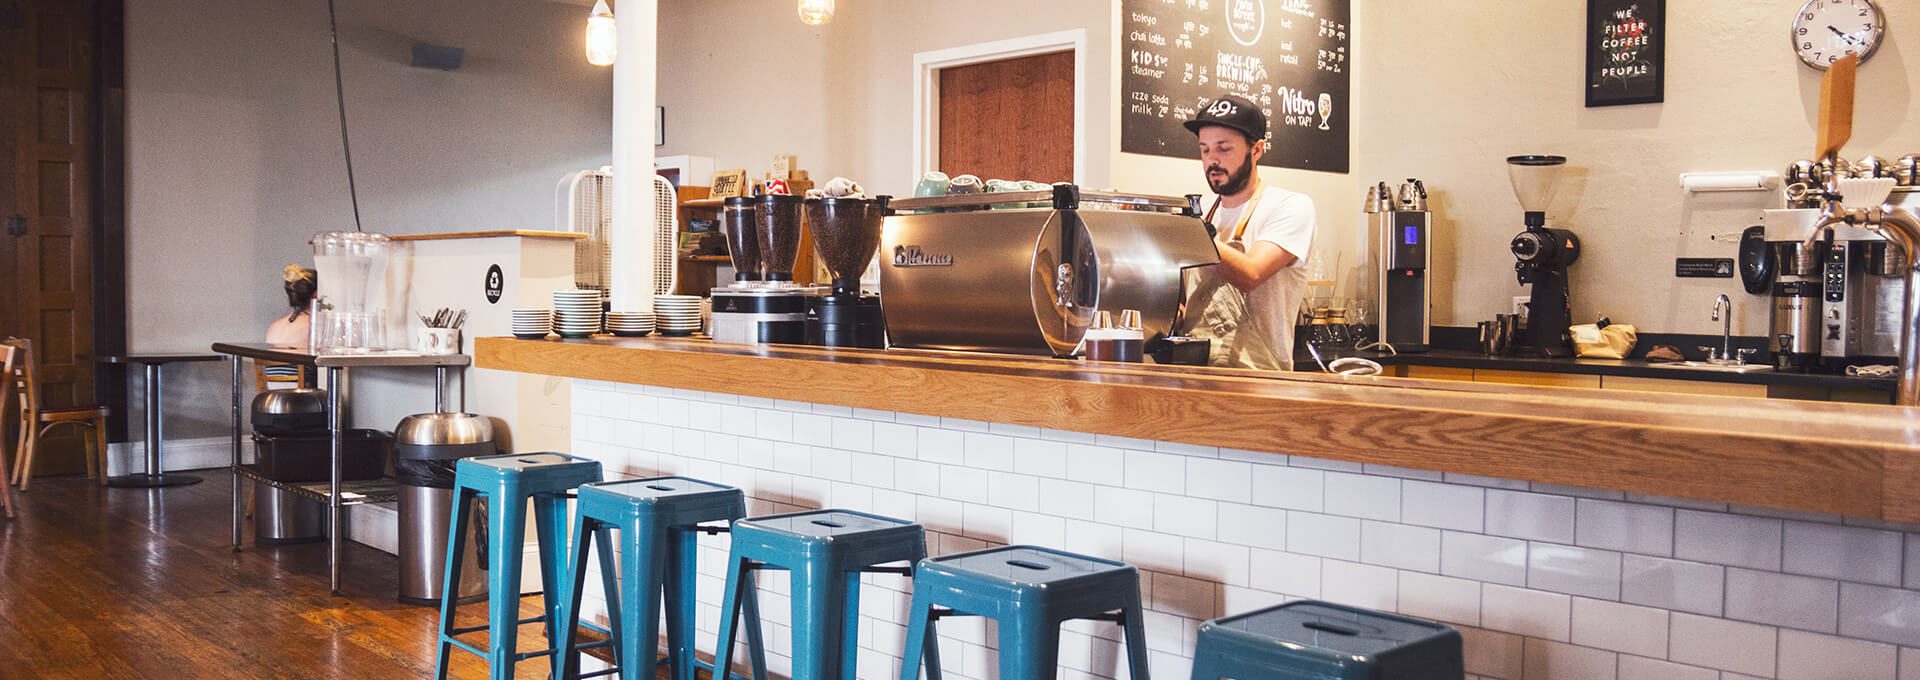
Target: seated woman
<point>291,330</point>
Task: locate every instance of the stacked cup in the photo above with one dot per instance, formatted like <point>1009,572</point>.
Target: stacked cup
<point>629,324</point>
<point>678,315</point>
<point>532,324</point>
<point>576,313</point>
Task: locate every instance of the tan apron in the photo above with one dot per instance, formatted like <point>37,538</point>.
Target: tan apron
<point>1216,310</point>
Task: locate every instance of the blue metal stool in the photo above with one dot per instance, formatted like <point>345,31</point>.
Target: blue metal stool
<point>1312,640</point>
<point>507,482</point>
<point>658,521</point>
<point>1029,591</point>
<point>825,551</point>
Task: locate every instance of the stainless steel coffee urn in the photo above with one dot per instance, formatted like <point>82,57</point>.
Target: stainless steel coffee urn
<point>1398,229</point>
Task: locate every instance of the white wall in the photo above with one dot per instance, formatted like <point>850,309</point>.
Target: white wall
<point>234,155</point>
<point>1736,99</point>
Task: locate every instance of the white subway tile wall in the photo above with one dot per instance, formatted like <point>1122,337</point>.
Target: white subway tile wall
<point>1542,581</point>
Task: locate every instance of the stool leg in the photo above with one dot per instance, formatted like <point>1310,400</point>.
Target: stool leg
<point>645,570</point>
<point>850,637</point>
<point>1030,647</point>
<point>756,645</point>
<point>1206,662</point>
<point>507,532</point>
<point>819,599</point>
<point>681,572</point>
<point>610,590</point>
<point>1136,636</point>
<point>450,589</point>
<point>730,617</point>
<point>550,526</point>
<point>566,662</point>
<point>919,639</point>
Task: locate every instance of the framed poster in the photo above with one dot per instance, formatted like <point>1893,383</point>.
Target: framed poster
<point>1626,52</point>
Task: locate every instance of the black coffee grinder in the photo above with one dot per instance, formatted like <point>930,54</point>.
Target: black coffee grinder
<point>846,232</point>
<point>1543,256</point>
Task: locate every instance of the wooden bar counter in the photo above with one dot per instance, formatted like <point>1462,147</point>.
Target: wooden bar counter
<point>1843,459</point>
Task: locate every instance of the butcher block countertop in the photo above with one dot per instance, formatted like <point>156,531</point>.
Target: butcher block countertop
<point>1845,459</point>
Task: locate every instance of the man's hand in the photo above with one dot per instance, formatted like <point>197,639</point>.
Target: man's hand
<point>1246,271</point>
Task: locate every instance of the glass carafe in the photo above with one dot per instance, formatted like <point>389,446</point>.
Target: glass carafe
<point>357,283</point>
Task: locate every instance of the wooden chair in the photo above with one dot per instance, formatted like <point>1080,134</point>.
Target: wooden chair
<point>261,380</point>
<point>8,356</point>
<point>36,420</point>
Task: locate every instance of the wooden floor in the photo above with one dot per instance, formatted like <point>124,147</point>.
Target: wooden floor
<point>129,583</point>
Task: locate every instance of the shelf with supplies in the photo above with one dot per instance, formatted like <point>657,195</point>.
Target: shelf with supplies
<point>383,490</point>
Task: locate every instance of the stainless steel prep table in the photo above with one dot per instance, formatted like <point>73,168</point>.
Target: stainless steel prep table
<point>335,494</point>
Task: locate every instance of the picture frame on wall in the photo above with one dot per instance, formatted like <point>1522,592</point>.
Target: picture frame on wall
<point>1626,52</point>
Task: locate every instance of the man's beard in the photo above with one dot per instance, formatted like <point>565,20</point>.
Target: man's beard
<point>1236,181</point>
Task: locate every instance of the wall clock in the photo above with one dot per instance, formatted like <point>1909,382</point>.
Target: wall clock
<point>1826,30</point>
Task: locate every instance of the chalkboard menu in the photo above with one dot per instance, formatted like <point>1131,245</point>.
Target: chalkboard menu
<point>1291,57</point>
<point>1626,52</point>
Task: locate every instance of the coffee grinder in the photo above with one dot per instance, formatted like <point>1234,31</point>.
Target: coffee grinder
<point>763,304</point>
<point>1543,255</point>
<point>846,232</point>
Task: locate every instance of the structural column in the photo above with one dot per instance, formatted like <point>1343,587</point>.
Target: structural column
<point>634,75</point>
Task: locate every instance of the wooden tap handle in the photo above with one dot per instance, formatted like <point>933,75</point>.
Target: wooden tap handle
<point>1836,106</point>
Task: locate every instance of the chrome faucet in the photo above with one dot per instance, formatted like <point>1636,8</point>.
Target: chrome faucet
<point>1723,311</point>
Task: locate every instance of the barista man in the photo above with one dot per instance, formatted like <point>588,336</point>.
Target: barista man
<point>1264,232</point>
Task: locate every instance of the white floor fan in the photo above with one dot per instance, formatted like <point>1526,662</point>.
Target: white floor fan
<point>583,203</point>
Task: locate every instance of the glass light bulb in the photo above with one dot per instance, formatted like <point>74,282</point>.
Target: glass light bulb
<point>600,35</point>
<point>816,12</point>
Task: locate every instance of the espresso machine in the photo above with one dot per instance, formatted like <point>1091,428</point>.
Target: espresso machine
<point>763,304</point>
<point>846,232</point>
<point>1025,272</point>
<point>1398,227</point>
<point>1543,255</point>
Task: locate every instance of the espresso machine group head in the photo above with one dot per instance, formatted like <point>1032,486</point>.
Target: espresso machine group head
<point>1542,255</point>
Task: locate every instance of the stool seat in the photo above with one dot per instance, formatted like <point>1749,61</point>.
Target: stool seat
<point>1325,641</point>
<point>824,553</point>
<point>531,471</point>
<point>1030,591</point>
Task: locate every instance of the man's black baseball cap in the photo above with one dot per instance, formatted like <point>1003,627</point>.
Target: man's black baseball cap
<point>1232,112</point>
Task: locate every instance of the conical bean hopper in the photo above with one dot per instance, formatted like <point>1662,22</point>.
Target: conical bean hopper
<point>846,232</point>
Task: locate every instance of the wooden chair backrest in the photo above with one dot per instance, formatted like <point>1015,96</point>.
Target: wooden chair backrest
<point>20,375</point>
<point>261,379</point>
<point>8,356</point>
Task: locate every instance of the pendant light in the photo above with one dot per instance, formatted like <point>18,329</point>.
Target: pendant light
<point>600,38</point>
<point>816,12</point>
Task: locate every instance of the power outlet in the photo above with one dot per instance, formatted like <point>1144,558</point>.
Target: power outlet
<point>1520,306</point>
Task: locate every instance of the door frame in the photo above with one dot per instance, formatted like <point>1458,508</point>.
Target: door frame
<point>926,89</point>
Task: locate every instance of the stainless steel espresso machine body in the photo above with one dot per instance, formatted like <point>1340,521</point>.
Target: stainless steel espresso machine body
<point>1838,301</point>
<point>982,272</point>
<point>1399,229</point>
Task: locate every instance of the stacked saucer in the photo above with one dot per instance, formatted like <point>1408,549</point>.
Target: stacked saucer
<point>576,313</point>
<point>532,324</point>
<point>678,315</point>
<point>629,324</point>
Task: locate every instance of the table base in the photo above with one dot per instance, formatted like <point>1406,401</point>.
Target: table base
<point>147,481</point>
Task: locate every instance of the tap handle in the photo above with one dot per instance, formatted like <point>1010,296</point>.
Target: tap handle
<point>1745,352</point>
<point>1710,351</point>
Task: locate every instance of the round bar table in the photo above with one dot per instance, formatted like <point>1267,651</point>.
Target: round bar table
<point>155,476</point>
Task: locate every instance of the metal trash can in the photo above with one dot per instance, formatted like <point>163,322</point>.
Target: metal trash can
<point>281,518</point>
<point>425,449</point>
<point>1309,640</point>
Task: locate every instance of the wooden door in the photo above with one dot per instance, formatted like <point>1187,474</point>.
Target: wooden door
<point>1009,119</point>
<point>46,291</point>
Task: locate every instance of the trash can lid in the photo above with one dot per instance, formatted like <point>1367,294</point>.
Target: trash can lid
<point>1331,627</point>
<point>439,429</point>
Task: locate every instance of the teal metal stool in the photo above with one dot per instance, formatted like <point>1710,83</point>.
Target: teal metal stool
<point>825,552</point>
<point>658,520</point>
<point>1029,591</point>
<point>508,482</point>
<point>1309,640</point>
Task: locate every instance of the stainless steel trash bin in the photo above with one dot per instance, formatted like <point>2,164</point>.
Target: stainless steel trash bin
<point>426,447</point>
<point>280,517</point>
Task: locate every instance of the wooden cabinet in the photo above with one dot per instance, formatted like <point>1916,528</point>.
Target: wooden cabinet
<point>698,273</point>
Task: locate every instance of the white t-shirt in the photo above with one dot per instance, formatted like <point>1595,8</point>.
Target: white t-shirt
<point>1286,219</point>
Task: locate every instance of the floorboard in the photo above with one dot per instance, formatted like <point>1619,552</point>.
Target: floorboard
<point>131,583</point>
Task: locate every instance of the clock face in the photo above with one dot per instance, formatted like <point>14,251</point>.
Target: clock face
<point>1826,30</point>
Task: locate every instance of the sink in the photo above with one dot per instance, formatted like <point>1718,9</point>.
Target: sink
<point>1724,368</point>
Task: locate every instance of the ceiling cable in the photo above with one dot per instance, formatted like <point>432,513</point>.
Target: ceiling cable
<point>340,97</point>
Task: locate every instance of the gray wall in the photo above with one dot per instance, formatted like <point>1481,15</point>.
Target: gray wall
<point>234,155</point>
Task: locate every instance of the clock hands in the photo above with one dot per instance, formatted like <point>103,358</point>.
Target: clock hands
<point>1850,39</point>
